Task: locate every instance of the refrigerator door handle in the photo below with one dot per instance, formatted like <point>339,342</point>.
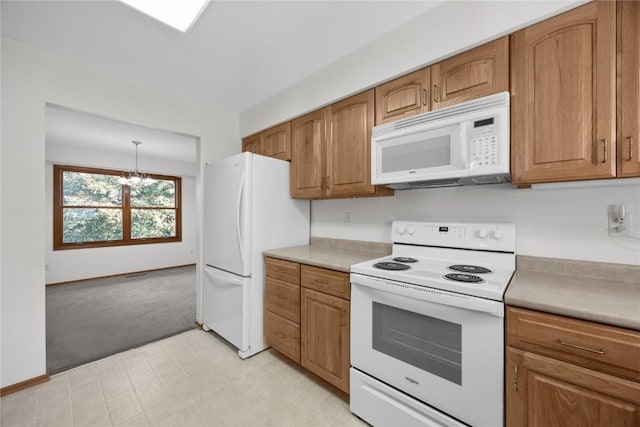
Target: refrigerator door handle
<point>239,218</point>
<point>222,279</point>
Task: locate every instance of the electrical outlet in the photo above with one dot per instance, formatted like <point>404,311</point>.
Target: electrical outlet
<point>47,267</point>
<point>620,221</point>
<point>347,218</point>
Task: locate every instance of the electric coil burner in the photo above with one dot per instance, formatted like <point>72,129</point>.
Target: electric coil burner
<point>405,259</point>
<point>391,266</point>
<point>469,268</point>
<point>467,278</point>
<point>427,326</point>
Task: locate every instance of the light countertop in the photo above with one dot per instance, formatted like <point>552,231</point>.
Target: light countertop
<point>334,254</point>
<point>598,292</point>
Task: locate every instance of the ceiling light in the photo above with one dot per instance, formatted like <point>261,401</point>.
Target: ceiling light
<point>179,14</point>
<point>135,178</point>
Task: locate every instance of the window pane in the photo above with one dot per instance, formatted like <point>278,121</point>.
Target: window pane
<point>148,223</point>
<point>91,225</point>
<point>90,189</point>
<point>160,194</point>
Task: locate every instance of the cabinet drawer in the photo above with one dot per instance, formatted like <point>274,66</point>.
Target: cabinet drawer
<point>283,299</point>
<point>283,335</point>
<point>600,347</point>
<point>283,270</point>
<point>328,281</point>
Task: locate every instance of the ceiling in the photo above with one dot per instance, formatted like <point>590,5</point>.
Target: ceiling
<point>78,129</point>
<point>236,55</point>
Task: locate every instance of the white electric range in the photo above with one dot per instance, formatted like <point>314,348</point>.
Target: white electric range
<point>427,326</point>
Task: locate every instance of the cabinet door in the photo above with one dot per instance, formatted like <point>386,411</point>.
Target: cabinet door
<point>563,97</point>
<point>308,154</point>
<point>403,97</point>
<point>545,392</point>
<point>252,143</point>
<point>629,88</point>
<point>473,74</point>
<point>349,148</point>
<point>276,142</point>
<point>325,337</point>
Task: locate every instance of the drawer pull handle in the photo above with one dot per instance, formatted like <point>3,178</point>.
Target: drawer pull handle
<point>321,281</point>
<point>279,335</point>
<point>579,347</point>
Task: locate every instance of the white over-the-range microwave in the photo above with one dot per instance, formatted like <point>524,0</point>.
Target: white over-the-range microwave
<point>464,144</point>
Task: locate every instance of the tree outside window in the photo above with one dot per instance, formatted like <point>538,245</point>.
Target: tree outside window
<point>92,210</point>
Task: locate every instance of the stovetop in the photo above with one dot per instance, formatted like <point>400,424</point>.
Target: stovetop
<point>467,258</point>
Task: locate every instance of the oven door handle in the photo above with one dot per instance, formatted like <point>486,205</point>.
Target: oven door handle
<point>436,296</point>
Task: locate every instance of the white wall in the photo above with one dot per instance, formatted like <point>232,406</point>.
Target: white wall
<point>554,222</point>
<point>448,28</point>
<point>30,78</point>
<point>565,223</point>
<point>67,265</point>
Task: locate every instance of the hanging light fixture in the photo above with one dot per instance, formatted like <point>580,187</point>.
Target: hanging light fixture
<point>135,178</point>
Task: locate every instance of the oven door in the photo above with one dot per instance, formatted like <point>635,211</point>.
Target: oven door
<point>442,348</point>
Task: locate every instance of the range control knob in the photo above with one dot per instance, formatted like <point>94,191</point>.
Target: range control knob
<point>482,233</point>
<point>411,230</point>
<point>400,229</point>
<point>498,235</point>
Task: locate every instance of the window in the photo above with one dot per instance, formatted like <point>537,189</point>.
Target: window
<point>92,210</point>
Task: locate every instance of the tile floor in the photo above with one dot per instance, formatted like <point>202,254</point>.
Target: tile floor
<point>191,379</point>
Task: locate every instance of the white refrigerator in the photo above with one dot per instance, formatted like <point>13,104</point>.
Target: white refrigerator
<point>247,210</point>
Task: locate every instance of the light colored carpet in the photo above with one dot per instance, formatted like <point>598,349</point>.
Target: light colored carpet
<point>91,320</point>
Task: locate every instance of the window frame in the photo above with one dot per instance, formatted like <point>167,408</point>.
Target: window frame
<point>58,211</point>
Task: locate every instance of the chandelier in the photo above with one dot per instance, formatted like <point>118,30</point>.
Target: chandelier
<point>135,178</point>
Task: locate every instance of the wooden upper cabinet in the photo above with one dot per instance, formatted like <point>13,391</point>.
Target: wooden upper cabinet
<point>349,146</point>
<point>563,88</point>
<point>252,143</point>
<point>403,97</point>
<point>308,161</point>
<point>478,72</point>
<point>629,88</point>
<point>276,142</point>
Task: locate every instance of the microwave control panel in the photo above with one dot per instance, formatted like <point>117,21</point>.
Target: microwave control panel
<point>484,143</point>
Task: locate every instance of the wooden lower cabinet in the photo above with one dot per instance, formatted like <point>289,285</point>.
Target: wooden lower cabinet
<point>282,307</point>
<point>307,317</point>
<point>541,392</point>
<point>325,337</point>
<point>283,335</point>
<point>569,372</point>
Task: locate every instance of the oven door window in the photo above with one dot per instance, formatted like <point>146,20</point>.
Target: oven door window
<point>431,344</point>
